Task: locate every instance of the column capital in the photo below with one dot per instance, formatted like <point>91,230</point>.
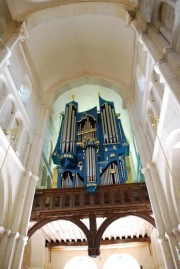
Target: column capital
<point>34,178</point>
<point>169,234</point>
<point>161,239</point>
<point>157,65</point>
<point>23,238</point>
<point>130,17</point>
<point>144,170</point>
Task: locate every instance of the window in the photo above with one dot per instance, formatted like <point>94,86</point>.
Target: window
<point>121,260</point>
<point>25,89</point>
<point>81,262</point>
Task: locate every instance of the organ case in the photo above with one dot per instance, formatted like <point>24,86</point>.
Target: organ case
<point>91,147</point>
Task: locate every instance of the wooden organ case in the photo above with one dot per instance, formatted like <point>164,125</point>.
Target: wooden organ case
<point>91,147</point>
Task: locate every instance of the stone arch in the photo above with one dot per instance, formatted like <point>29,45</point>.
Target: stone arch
<point>60,11</point>
<point>60,87</point>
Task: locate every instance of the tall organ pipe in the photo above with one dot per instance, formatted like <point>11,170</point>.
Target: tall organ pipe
<point>105,126</point>
<point>72,132</point>
<point>91,164</point>
<point>64,130</point>
<point>68,128</point>
<point>102,119</point>
<point>114,123</point>
<point>108,123</point>
<point>87,164</point>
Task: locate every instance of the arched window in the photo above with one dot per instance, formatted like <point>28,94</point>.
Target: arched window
<point>140,79</point>
<point>81,262</point>
<point>24,147</point>
<point>3,89</point>
<point>25,89</point>
<point>7,114</point>
<point>121,260</point>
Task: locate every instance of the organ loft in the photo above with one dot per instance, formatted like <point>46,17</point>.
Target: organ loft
<point>91,147</point>
<point>90,155</point>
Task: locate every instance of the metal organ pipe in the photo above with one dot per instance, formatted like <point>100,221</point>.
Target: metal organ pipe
<point>109,177</point>
<point>108,123</point>
<point>93,164</point>
<point>90,164</point>
<point>114,123</point>
<point>64,131</point>
<point>72,132</point>
<point>68,137</point>
<point>105,126</point>
<point>68,127</point>
<point>113,126</point>
<point>122,169</point>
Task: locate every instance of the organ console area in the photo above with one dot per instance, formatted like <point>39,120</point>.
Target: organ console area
<point>91,147</point>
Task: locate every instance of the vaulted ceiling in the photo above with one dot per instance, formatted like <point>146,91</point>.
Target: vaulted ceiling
<point>69,40</point>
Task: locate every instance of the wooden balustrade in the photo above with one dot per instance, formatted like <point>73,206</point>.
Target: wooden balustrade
<point>116,198</point>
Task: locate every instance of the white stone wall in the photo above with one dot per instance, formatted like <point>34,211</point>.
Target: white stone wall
<point>20,134</point>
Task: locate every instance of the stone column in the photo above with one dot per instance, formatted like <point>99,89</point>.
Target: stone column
<point>20,245</point>
<point>36,152</point>
<point>10,250</point>
<point>166,252</point>
<point>154,201</point>
<point>161,199</point>
<point>3,245</point>
<point>173,247</point>
<point>28,202</point>
<point>13,243</point>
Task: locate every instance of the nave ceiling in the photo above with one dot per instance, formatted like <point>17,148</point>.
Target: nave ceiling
<point>78,40</point>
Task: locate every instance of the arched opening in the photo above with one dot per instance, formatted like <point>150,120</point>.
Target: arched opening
<point>25,89</point>
<point>80,262</point>
<point>121,260</point>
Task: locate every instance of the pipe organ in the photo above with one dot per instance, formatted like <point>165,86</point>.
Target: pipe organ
<point>91,147</point>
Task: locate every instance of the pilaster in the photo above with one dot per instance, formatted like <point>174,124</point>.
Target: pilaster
<point>173,244</point>
<point>166,252</point>
<point>28,201</point>
<point>20,245</point>
<point>36,153</point>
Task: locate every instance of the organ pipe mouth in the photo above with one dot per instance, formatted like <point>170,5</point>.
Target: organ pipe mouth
<point>112,171</point>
